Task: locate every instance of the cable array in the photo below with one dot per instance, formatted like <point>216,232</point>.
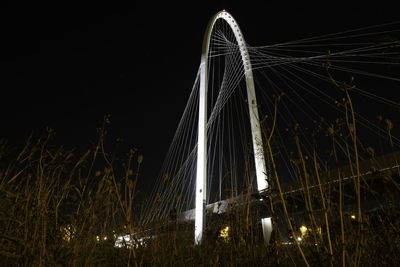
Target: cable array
<point>304,81</point>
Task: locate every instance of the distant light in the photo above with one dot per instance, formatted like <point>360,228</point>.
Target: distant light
<point>299,238</point>
<point>319,230</point>
<point>123,241</point>
<point>68,232</point>
<point>224,233</point>
<point>97,238</point>
<point>126,241</point>
<point>105,238</point>
<point>353,216</point>
<point>303,230</point>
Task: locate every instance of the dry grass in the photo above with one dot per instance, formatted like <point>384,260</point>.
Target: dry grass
<point>60,209</point>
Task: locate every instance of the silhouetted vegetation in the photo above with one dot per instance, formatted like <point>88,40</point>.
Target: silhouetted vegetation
<point>62,209</point>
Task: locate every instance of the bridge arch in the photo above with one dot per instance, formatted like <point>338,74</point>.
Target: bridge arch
<point>201,175</point>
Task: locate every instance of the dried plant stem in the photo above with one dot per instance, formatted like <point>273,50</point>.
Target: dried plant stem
<point>284,204</point>
<point>307,199</point>
<point>324,207</point>
<point>353,134</point>
<point>342,238</point>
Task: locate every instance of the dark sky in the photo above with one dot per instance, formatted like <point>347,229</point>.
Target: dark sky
<point>66,64</point>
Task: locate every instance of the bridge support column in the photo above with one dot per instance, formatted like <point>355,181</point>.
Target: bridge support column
<point>201,173</point>
<point>266,224</point>
<point>201,179</point>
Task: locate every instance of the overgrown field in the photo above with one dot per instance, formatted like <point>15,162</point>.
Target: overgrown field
<point>58,208</point>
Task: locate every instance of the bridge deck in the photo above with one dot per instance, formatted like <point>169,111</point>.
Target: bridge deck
<point>372,171</point>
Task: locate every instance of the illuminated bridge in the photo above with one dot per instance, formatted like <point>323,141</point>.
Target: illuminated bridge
<point>283,128</point>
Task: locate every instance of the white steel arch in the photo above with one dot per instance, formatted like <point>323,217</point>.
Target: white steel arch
<point>201,175</point>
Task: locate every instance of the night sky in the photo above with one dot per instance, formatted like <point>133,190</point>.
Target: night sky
<point>66,64</point>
